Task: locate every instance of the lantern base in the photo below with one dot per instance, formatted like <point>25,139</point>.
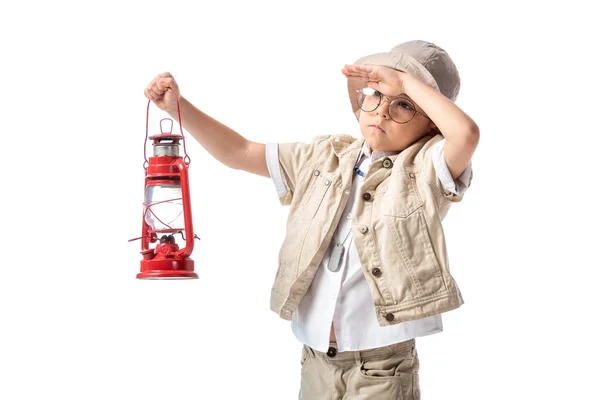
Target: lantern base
<point>175,268</point>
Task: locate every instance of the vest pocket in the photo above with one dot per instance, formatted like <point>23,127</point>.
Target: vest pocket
<point>314,194</point>
<point>415,250</point>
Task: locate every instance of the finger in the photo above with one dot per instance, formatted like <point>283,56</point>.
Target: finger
<point>350,69</point>
<point>159,86</point>
<point>368,71</point>
<point>361,73</point>
<point>352,73</point>
<point>165,83</point>
<point>157,93</point>
<point>360,67</point>
<point>150,93</point>
<point>358,78</point>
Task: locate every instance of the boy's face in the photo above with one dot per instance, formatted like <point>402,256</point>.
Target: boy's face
<point>383,133</point>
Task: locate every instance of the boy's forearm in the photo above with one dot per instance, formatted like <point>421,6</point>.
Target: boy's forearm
<point>220,141</point>
<point>452,122</point>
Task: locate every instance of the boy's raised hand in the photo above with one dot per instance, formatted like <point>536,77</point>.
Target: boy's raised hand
<point>158,91</point>
<point>386,80</point>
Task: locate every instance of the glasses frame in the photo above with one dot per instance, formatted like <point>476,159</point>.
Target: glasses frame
<point>389,100</point>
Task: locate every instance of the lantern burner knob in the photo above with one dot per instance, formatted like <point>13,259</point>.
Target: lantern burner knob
<point>167,239</point>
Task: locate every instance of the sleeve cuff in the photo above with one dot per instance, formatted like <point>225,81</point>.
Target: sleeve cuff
<point>457,186</point>
<point>272,156</point>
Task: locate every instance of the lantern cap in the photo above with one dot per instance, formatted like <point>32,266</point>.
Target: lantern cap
<point>168,136</point>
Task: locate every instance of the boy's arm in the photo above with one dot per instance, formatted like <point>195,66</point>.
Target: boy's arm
<point>222,142</point>
<point>237,152</point>
<point>459,130</point>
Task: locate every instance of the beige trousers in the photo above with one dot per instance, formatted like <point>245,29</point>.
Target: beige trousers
<point>385,373</point>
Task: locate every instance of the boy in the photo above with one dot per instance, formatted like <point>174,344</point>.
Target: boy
<point>363,269</point>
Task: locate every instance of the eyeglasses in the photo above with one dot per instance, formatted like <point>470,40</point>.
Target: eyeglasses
<point>401,109</point>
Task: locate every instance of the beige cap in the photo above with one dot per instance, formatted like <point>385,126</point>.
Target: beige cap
<point>424,60</point>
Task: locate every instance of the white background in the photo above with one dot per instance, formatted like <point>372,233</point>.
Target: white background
<point>523,244</point>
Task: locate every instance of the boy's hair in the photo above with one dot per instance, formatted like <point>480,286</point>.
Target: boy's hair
<point>424,60</point>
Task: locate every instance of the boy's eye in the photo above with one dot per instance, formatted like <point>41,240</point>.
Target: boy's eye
<point>404,104</point>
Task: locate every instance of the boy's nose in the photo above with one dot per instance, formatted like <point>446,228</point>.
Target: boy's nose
<point>383,108</point>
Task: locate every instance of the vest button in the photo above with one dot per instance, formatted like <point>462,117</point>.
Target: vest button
<point>363,229</point>
<point>317,172</point>
<point>331,352</point>
<point>387,163</point>
<point>390,317</point>
<point>366,196</point>
<point>412,176</point>
<point>376,272</point>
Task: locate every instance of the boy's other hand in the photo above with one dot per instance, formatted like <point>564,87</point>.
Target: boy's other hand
<point>158,91</point>
<point>386,80</point>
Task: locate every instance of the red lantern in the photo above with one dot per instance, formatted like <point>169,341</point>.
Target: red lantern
<point>167,208</point>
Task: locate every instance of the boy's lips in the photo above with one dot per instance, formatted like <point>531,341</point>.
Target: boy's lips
<point>377,127</point>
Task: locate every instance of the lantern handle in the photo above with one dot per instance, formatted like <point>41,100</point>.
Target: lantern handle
<point>162,132</point>
<point>187,160</point>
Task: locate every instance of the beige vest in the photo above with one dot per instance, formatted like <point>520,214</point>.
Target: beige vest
<point>397,226</point>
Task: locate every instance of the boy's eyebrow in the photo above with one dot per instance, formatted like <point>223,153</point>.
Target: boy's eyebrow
<point>401,95</point>
<point>405,96</point>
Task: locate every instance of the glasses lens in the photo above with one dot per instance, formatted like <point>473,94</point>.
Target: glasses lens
<point>368,99</point>
<point>402,110</point>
